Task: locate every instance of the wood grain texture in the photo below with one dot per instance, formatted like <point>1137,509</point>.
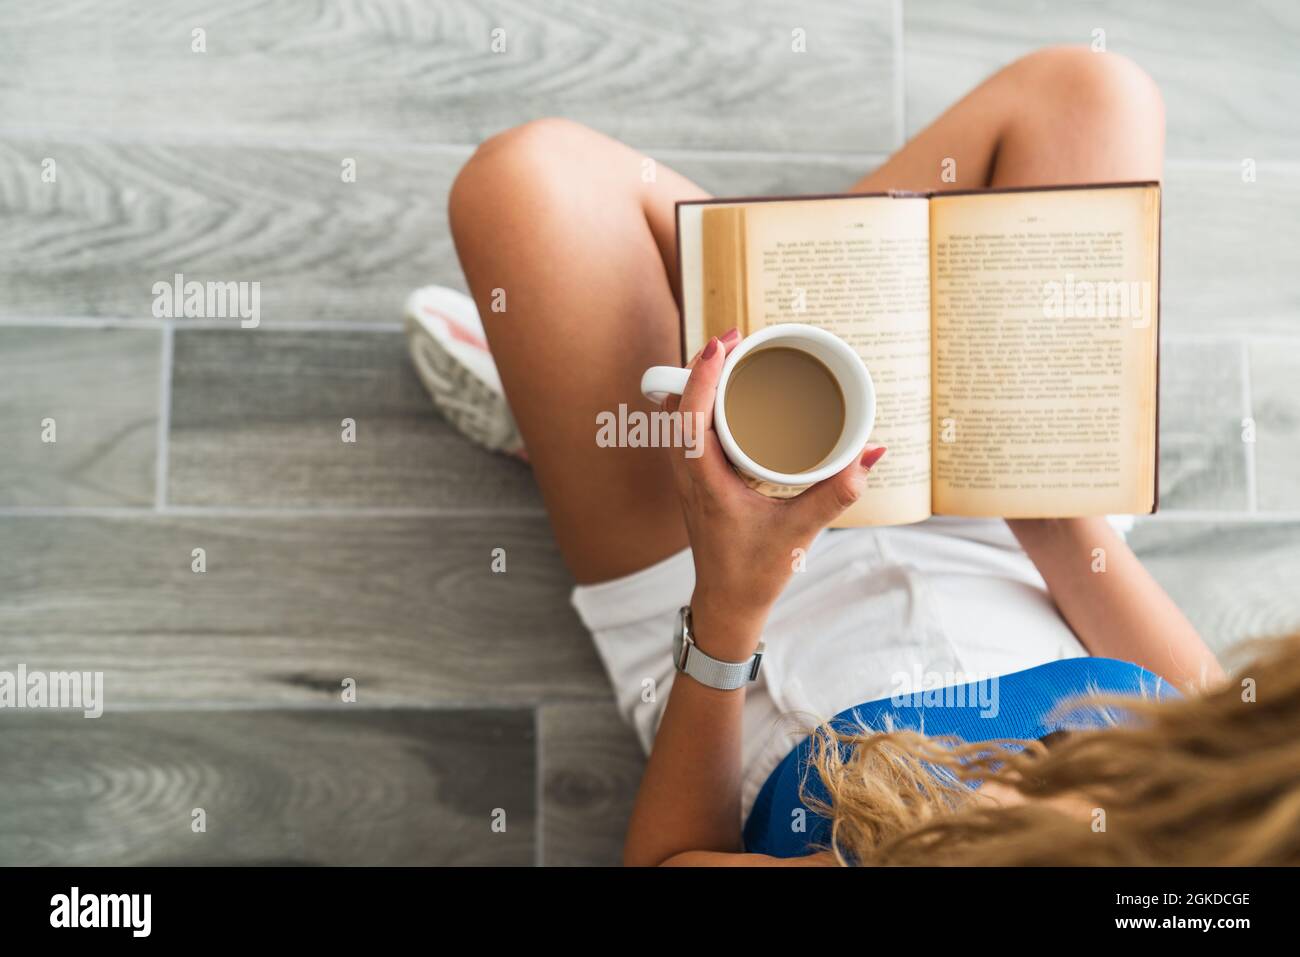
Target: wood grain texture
<point>675,73</point>
<point>1228,258</point>
<point>345,786</point>
<point>1235,580</point>
<point>100,387</point>
<point>591,769</point>
<point>1275,404</point>
<point>288,607</point>
<point>1229,74</point>
<point>122,216</point>
<point>256,420</point>
<point>1202,405</point>
<point>724,175</point>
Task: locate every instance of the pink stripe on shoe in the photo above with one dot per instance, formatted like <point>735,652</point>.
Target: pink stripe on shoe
<point>458,332</point>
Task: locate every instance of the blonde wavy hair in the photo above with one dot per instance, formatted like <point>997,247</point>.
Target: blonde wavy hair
<point>1209,779</point>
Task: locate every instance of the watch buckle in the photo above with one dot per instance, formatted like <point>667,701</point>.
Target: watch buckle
<point>687,645</point>
<point>688,640</point>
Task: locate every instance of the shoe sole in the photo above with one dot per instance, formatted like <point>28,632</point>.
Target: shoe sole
<point>467,402</point>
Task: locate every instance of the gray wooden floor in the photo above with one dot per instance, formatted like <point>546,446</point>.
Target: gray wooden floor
<point>478,695</point>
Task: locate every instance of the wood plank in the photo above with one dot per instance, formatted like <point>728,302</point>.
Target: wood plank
<point>1275,404</point>
<point>1229,74</point>
<point>288,607</point>
<point>1202,406</point>
<point>774,175</point>
<point>1228,262</point>
<point>591,769</point>
<point>256,420</point>
<point>123,216</point>
<point>100,387</point>
<point>1235,581</point>
<point>344,786</point>
<point>676,73</point>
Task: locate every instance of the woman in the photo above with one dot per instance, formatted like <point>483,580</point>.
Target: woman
<point>571,258</point>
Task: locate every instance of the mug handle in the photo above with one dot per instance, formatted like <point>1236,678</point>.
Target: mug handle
<point>659,382</point>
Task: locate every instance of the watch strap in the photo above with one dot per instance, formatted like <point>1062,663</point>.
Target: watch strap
<point>710,671</point>
<point>723,675</point>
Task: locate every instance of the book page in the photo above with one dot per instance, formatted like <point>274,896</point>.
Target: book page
<point>858,267</point>
<point>1044,353</point>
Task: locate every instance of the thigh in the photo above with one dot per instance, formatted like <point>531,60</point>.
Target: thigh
<point>567,240</point>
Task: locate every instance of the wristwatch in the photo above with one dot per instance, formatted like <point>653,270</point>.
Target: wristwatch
<point>722,675</point>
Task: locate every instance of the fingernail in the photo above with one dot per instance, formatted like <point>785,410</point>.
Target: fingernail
<point>711,348</point>
<point>872,456</point>
<point>730,334</point>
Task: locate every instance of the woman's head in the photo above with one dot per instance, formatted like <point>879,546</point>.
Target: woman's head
<point>1209,779</point>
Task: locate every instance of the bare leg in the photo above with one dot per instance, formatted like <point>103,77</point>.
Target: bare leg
<point>561,220</point>
<point>1060,115</point>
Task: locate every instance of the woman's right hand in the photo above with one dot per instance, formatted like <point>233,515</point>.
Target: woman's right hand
<point>744,543</point>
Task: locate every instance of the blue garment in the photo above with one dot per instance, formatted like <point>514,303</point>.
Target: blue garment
<point>1019,705</point>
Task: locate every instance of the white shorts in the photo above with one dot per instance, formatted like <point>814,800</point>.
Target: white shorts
<point>875,608</point>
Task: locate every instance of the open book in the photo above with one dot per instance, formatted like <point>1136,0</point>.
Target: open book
<point>1012,334</point>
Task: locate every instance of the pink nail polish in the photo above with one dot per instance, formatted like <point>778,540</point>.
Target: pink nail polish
<point>732,333</point>
<point>872,456</point>
<point>711,348</point>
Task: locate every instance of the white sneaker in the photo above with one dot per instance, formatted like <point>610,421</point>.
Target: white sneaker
<point>450,352</point>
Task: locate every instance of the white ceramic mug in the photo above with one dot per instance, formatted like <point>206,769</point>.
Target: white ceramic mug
<point>833,352</point>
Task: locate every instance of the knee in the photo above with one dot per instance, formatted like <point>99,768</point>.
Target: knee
<point>505,167</point>
<point>535,139</point>
<point>1102,85</point>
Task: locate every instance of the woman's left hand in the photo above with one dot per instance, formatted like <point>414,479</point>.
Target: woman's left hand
<point>745,544</point>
